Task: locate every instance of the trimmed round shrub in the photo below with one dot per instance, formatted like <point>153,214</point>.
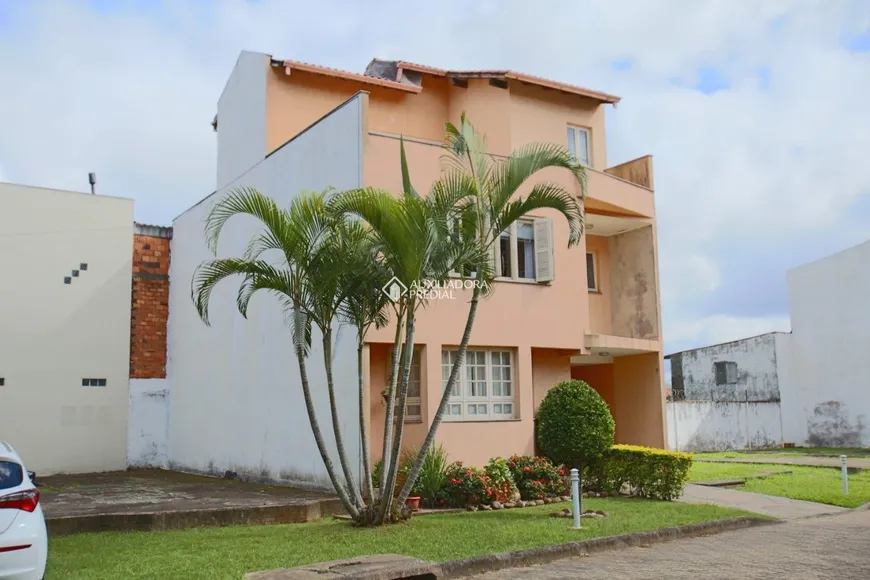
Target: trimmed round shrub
<point>575,427</point>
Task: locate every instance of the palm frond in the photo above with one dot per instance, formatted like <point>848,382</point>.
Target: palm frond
<point>510,174</point>
<point>208,274</point>
<point>407,188</point>
<point>246,201</point>
<point>546,196</point>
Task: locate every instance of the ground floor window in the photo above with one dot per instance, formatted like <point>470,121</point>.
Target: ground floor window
<point>413,404</point>
<point>485,389</point>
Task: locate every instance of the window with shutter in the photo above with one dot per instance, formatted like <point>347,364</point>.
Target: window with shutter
<point>591,277</point>
<point>544,271</point>
<point>504,254</point>
<point>413,402</point>
<point>526,250</point>
<point>494,257</point>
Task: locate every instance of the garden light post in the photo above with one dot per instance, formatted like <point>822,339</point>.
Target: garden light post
<point>844,470</point>
<point>575,497</point>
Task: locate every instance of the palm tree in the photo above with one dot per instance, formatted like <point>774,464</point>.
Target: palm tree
<point>489,187</point>
<point>364,308</point>
<point>337,252</point>
<point>415,243</point>
<point>304,237</point>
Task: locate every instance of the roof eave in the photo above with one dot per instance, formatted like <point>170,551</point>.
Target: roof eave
<point>541,82</point>
<point>562,87</point>
<point>291,65</point>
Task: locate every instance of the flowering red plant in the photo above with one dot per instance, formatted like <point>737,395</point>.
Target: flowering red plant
<point>536,477</point>
<point>468,485</point>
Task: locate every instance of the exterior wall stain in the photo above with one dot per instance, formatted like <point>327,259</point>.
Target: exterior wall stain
<point>829,426</point>
<point>723,425</point>
<point>633,298</point>
<point>148,424</point>
<point>262,475</point>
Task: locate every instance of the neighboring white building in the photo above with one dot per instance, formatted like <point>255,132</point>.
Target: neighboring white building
<point>65,327</point>
<point>236,400</point>
<point>827,399</point>
<point>727,396</point>
<point>810,387</point>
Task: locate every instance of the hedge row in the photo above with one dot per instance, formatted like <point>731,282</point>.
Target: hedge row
<point>649,472</point>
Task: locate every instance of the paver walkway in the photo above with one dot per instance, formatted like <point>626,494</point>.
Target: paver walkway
<point>769,505</point>
<point>835,548</point>
<point>805,461</point>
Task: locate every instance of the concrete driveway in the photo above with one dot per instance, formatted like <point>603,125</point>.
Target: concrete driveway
<point>831,547</point>
<point>151,499</point>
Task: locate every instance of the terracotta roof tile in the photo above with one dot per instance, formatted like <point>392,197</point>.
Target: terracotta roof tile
<point>457,74</point>
<point>350,76</point>
<point>512,75</point>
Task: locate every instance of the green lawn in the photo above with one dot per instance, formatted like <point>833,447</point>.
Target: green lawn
<point>791,452</point>
<point>218,553</point>
<point>819,484</point>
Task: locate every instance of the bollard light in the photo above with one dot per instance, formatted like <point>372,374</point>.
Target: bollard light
<point>845,473</point>
<point>575,497</point>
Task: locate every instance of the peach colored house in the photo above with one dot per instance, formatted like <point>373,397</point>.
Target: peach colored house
<point>593,313</point>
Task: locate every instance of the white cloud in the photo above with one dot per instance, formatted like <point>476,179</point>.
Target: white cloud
<point>130,96</point>
<point>723,328</point>
<point>696,273</point>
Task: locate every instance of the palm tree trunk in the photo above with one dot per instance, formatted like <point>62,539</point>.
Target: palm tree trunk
<point>318,437</point>
<point>363,427</point>
<point>352,486</point>
<point>391,402</point>
<point>445,398</point>
<point>407,354</point>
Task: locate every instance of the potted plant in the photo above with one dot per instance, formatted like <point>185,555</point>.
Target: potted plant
<point>406,461</point>
<point>414,503</point>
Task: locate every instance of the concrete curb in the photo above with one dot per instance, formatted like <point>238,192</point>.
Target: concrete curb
<point>489,563</point>
<point>865,507</point>
<point>184,519</point>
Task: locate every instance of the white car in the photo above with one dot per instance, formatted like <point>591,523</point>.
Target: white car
<point>23,537</point>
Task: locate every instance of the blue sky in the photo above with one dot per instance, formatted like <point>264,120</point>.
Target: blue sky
<point>755,112</point>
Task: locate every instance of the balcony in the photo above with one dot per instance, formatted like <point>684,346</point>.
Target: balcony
<point>624,189</point>
<point>623,297</point>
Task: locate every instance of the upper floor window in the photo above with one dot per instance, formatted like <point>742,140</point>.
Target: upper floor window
<point>726,372</point>
<point>591,274</point>
<point>578,144</point>
<point>484,391</point>
<point>525,251</point>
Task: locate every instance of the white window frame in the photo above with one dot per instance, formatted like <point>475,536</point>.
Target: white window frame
<point>595,286</point>
<point>576,143</point>
<point>451,224</point>
<point>544,258</point>
<point>463,399</point>
<point>416,361</point>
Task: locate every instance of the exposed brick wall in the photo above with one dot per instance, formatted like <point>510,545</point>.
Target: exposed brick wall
<point>150,306</point>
